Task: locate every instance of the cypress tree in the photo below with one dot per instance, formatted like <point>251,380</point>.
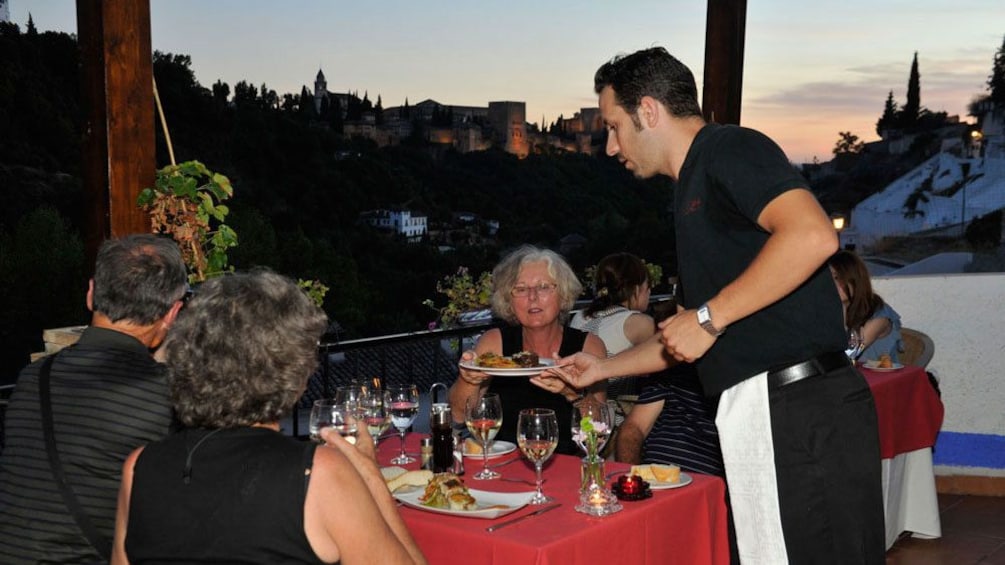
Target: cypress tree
<point>889,117</point>
<point>996,82</point>
<point>912,107</point>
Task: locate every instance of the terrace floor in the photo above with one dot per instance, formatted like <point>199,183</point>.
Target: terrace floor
<point>973,531</point>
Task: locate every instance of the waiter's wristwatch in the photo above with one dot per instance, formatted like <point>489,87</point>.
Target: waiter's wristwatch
<point>705,319</point>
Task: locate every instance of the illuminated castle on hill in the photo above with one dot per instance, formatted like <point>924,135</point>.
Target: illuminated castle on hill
<point>465,128</point>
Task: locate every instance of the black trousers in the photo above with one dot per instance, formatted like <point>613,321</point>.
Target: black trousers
<point>827,459</point>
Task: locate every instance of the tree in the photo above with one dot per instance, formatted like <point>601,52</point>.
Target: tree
<point>221,92</point>
<point>848,144</point>
<point>889,118</point>
<point>378,111</point>
<point>996,82</point>
<point>912,107</point>
<point>31,30</point>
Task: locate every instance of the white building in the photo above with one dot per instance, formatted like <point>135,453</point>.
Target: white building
<point>401,222</point>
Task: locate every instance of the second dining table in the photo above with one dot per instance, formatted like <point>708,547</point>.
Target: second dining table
<point>683,525</point>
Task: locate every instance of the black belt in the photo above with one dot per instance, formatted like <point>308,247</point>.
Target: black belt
<point>819,365</point>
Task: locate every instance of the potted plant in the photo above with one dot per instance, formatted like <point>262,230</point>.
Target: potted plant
<point>465,294</point>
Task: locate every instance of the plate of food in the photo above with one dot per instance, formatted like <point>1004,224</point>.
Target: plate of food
<point>662,477</point>
<point>884,363</point>
<point>446,494</point>
<point>522,364</point>
<point>497,448</point>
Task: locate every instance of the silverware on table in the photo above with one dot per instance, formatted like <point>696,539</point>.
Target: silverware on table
<point>494,465</point>
<point>525,516</point>
<point>518,480</point>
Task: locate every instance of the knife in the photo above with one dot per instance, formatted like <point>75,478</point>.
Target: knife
<point>515,520</point>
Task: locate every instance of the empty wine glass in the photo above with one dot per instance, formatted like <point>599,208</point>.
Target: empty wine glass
<point>483,417</point>
<point>402,402</point>
<point>603,421</point>
<point>329,413</point>
<point>350,395</point>
<point>374,413</point>
<point>537,436</point>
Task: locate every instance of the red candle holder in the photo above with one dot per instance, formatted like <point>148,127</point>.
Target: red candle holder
<point>631,487</point>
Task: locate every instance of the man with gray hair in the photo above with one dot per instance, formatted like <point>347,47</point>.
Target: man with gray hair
<point>75,415</point>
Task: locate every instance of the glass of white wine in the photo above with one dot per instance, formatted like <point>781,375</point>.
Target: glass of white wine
<point>483,416</point>
<point>537,436</point>
<point>374,413</point>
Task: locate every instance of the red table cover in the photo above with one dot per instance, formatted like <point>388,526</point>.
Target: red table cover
<point>908,409</point>
<point>683,526</point>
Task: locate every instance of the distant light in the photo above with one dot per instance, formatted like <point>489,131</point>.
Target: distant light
<point>976,135</point>
<point>838,220</point>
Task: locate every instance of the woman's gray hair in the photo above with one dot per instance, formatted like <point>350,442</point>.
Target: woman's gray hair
<point>505,275</point>
<point>242,349</point>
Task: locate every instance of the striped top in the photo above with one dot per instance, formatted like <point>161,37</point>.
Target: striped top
<point>684,433</point>
<point>108,397</point>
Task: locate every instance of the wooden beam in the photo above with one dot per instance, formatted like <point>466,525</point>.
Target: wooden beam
<point>725,29</point>
<point>118,139</point>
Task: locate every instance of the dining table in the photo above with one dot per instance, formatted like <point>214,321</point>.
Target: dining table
<point>909,415</point>
<point>685,525</point>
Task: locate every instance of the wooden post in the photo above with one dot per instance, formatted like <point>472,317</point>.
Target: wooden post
<point>118,133</point>
<point>725,28</point>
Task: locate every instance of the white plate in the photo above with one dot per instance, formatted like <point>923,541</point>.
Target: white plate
<point>490,504</point>
<point>516,372</point>
<point>497,448</point>
<point>873,365</point>
<point>685,480</point>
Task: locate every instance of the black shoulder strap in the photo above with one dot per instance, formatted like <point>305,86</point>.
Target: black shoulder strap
<point>100,543</point>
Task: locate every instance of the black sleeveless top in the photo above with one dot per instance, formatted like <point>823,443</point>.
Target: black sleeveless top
<point>518,393</point>
<point>241,499</point>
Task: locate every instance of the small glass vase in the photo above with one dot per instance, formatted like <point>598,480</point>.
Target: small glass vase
<point>595,498</point>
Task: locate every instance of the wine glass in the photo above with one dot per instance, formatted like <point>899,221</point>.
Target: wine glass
<point>329,413</point>
<point>374,413</point>
<point>855,344</point>
<point>403,403</point>
<point>600,413</point>
<point>483,417</point>
<point>537,436</point>
<point>350,395</point>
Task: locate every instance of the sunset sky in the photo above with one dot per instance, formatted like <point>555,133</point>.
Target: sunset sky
<point>811,69</point>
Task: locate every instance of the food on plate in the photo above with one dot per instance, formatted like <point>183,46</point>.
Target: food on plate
<point>519,360</point>
<point>660,473</point>
<point>398,477</point>
<point>885,362</point>
<point>447,490</point>
<point>472,447</point>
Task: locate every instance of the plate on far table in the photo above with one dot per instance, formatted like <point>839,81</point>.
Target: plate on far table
<point>685,480</point>
<point>506,372</point>
<point>490,504</point>
<point>873,365</point>
<point>497,448</point>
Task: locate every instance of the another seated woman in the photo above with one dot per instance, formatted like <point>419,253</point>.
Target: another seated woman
<point>533,290</point>
<point>230,487</point>
<point>616,315</point>
<point>865,312</point>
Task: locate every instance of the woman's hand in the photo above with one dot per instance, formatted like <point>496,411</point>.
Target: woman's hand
<point>472,377</point>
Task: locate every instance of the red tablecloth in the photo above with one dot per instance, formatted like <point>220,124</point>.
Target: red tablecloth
<point>908,409</point>
<point>679,526</point>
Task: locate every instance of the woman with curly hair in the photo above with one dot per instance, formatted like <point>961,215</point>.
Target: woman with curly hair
<point>534,291</point>
<point>230,487</point>
<point>865,312</point>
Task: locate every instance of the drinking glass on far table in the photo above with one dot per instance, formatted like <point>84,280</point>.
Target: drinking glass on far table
<point>483,417</point>
<point>402,402</point>
<point>329,413</point>
<point>537,436</point>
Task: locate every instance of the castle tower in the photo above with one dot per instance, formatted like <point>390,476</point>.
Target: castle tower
<point>320,89</point>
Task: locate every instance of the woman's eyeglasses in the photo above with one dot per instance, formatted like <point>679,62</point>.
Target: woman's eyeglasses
<point>543,289</point>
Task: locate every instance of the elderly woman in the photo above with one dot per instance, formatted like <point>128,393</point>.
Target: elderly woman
<point>533,290</point>
<point>877,324</point>
<point>230,487</point>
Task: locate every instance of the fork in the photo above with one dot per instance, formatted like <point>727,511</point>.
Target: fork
<point>519,480</point>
